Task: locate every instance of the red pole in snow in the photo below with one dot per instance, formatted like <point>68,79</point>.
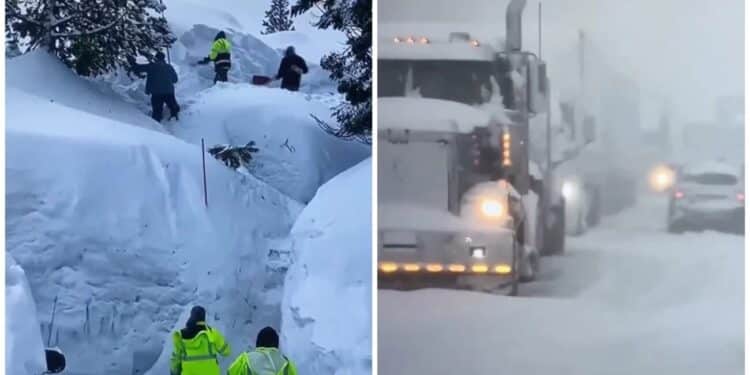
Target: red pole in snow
<point>205,189</point>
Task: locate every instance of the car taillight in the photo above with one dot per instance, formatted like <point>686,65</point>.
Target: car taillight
<point>679,195</point>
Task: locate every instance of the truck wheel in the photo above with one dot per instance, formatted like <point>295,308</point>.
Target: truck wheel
<point>517,267</point>
<point>554,237</point>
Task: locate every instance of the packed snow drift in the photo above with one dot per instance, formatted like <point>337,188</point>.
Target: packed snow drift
<point>626,298</point>
<point>110,218</point>
<point>106,212</point>
<point>326,310</point>
<point>24,352</point>
<point>295,155</point>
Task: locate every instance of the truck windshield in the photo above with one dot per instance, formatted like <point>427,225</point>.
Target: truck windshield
<point>467,82</point>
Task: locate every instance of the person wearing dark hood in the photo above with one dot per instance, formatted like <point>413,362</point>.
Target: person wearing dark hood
<point>291,69</point>
<point>266,359</point>
<point>221,55</point>
<point>196,347</point>
<point>160,80</point>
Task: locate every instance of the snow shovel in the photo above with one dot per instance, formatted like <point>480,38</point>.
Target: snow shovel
<point>261,80</point>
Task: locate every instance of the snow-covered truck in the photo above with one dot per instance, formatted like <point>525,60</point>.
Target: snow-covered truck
<point>599,148</point>
<point>458,197</point>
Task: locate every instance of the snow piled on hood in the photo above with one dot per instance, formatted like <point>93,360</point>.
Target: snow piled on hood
<point>422,114</point>
<point>327,311</point>
<point>24,351</point>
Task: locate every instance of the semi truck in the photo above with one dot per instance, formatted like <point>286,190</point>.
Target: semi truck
<point>602,105</point>
<point>460,202</point>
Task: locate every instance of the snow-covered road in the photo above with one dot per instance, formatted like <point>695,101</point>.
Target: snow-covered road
<point>626,298</point>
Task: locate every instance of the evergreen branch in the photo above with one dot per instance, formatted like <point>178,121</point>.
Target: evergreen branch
<point>14,14</point>
<point>342,132</point>
<point>61,21</point>
<point>89,32</point>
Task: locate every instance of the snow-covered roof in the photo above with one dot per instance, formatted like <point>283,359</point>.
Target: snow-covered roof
<point>711,167</point>
<point>490,35</point>
<point>440,47</point>
<point>429,115</point>
<point>455,51</point>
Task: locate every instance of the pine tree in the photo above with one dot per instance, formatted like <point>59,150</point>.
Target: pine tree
<point>92,36</point>
<point>278,17</point>
<point>11,41</point>
<point>352,67</point>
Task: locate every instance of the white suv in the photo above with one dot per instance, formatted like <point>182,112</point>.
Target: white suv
<point>707,196</point>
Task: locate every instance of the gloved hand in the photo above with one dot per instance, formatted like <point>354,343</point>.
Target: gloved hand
<point>204,61</point>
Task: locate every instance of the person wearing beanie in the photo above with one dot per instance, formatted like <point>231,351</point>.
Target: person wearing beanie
<point>196,347</point>
<point>160,80</point>
<point>221,55</point>
<point>291,69</point>
<point>265,359</point>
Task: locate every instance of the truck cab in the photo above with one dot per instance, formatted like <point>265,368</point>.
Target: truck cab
<point>456,199</point>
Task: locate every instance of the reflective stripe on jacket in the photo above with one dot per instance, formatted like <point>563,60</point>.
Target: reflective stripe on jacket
<point>198,355</point>
<point>262,361</point>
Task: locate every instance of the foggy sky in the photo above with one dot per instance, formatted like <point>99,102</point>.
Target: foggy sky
<point>688,52</point>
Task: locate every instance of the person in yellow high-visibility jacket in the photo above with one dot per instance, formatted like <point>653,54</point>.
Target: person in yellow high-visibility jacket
<point>197,346</point>
<point>266,359</point>
<point>221,55</point>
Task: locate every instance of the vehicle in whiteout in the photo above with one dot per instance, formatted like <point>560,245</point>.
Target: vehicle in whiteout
<point>459,198</point>
<point>707,195</point>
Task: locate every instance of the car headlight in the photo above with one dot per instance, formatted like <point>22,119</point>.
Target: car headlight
<point>569,190</point>
<point>662,178</point>
<point>492,208</point>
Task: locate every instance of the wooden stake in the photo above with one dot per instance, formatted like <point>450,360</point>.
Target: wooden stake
<point>205,188</point>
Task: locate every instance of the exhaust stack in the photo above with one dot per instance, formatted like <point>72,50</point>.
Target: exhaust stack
<point>513,29</point>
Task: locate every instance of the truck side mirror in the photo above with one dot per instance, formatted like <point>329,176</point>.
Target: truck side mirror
<point>504,68</point>
<point>543,79</point>
<point>55,360</point>
<point>589,129</point>
<point>533,97</point>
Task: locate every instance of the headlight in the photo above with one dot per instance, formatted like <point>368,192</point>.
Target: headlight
<point>478,252</point>
<point>569,190</point>
<point>661,178</point>
<point>492,208</point>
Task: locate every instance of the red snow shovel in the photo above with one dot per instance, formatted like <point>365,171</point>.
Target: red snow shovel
<point>261,80</point>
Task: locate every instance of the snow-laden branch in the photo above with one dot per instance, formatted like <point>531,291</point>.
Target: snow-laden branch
<point>89,32</point>
<point>14,14</point>
<point>61,21</point>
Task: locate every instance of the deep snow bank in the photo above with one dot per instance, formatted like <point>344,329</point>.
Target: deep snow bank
<point>237,15</point>
<point>40,74</point>
<point>24,352</point>
<point>626,298</point>
<point>295,155</point>
<point>250,56</point>
<point>326,310</point>
<point>110,218</point>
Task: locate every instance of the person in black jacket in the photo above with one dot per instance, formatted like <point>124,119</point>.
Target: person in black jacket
<point>291,69</point>
<point>160,80</point>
